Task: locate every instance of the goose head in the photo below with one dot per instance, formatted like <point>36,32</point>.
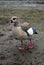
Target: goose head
<point>14,20</point>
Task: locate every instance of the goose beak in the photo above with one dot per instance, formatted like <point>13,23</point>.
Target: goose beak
<point>11,21</point>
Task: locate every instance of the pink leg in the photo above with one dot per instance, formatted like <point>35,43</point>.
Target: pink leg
<point>30,45</point>
<point>22,46</point>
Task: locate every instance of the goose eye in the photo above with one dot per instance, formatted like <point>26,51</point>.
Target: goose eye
<point>14,18</point>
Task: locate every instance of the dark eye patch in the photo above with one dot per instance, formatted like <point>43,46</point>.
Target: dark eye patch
<point>14,18</point>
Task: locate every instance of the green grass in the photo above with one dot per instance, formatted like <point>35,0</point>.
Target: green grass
<point>33,15</point>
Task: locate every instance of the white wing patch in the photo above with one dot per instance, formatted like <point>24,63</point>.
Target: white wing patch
<point>30,31</point>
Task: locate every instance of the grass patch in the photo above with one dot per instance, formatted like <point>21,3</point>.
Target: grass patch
<point>33,15</point>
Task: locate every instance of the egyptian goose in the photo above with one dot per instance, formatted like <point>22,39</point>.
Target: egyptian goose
<point>22,31</point>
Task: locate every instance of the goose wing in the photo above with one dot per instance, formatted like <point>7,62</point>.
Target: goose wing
<point>25,26</point>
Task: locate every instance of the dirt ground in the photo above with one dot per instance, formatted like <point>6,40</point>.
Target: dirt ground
<point>9,53</point>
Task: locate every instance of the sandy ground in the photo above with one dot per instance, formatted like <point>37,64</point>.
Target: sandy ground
<point>9,53</point>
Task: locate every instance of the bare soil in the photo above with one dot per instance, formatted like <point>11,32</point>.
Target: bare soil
<point>9,53</point>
